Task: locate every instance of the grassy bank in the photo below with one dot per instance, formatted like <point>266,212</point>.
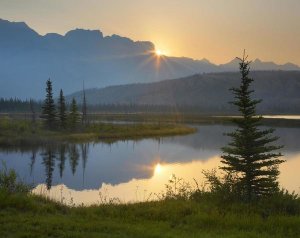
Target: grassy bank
<point>161,118</point>
<point>186,118</point>
<point>31,216</point>
<point>24,133</point>
<point>179,213</point>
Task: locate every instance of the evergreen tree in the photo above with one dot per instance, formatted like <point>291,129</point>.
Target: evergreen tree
<point>84,109</point>
<point>33,114</point>
<point>250,154</point>
<point>48,108</point>
<point>62,115</point>
<point>74,117</point>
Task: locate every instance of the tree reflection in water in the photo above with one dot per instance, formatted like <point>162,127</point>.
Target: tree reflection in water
<point>61,154</point>
<point>49,162</point>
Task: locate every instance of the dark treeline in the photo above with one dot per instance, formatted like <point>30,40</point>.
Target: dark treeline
<point>18,105</point>
<point>15,105</point>
<point>222,109</point>
<point>144,108</point>
<point>23,106</point>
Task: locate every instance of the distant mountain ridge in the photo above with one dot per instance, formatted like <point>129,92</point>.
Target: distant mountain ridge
<point>207,93</point>
<point>28,59</point>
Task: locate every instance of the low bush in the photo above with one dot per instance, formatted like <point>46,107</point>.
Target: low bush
<point>10,183</point>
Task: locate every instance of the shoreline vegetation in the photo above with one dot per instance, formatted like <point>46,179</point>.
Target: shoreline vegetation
<point>25,133</point>
<point>179,212</point>
<point>18,130</point>
<point>177,118</point>
<point>38,217</point>
<point>56,124</point>
<point>186,118</point>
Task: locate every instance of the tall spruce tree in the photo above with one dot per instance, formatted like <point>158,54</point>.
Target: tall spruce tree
<point>250,154</point>
<point>62,115</point>
<point>73,116</point>
<point>48,108</point>
<point>84,109</point>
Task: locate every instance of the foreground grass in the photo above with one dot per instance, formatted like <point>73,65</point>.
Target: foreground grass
<point>179,213</point>
<point>31,216</point>
<point>24,133</point>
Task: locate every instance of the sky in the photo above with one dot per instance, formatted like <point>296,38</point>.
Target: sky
<point>217,30</point>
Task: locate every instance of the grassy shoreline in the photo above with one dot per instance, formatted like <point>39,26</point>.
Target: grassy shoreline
<point>23,133</point>
<point>185,118</point>
<point>163,118</point>
<point>33,216</point>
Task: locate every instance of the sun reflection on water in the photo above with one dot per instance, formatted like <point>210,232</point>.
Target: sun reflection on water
<point>158,169</point>
<point>138,190</point>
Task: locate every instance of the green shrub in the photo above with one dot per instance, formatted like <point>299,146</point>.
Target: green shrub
<point>17,127</point>
<point>219,189</point>
<point>225,193</point>
<point>282,202</point>
<point>5,123</point>
<point>10,183</point>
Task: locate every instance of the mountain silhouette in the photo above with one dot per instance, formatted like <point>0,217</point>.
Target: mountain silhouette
<point>28,59</point>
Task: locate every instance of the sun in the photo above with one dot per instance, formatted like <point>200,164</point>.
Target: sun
<point>157,169</point>
<point>158,52</point>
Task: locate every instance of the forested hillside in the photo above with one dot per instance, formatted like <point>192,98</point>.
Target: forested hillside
<point>205,92</point>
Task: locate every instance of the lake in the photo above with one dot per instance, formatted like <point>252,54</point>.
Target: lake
<point>134,170</point>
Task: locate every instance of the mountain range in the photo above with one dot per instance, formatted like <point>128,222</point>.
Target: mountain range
<point>28,59</point>
<point>205,93</point>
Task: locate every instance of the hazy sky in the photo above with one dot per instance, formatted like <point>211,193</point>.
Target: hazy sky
<point>215,29</point>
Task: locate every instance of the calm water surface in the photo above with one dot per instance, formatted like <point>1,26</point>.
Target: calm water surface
<point>294,117</point>
<point>134,170</point>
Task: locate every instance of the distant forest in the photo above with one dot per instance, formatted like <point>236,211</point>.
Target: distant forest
<point>18,105</point>
<point>201,93</point>
<point>206,94</point>
<point>15,105</point>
